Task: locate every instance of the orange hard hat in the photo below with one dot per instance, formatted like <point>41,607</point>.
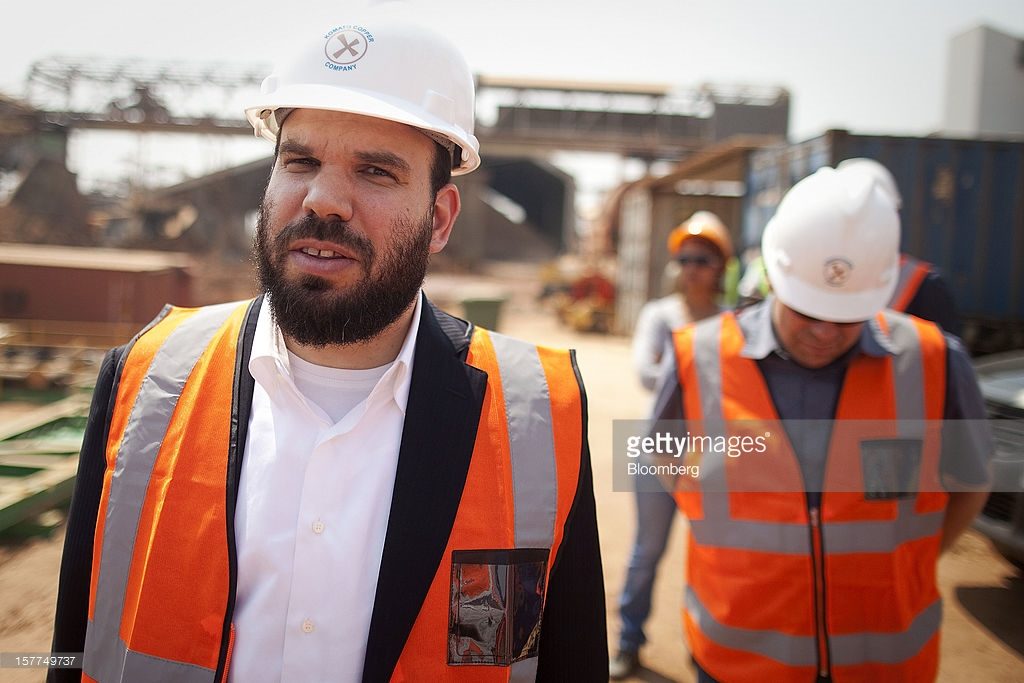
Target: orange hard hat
<point>701,224</point>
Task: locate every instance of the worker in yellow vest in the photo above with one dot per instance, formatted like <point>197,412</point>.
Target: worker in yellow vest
<point>337,481</point>
<point>857,452</point>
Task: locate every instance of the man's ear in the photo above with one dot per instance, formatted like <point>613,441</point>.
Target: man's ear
<point>447,205</point>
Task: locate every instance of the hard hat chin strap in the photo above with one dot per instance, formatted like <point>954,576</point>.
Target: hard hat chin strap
<point>454,151</point>
<point>281,114</point>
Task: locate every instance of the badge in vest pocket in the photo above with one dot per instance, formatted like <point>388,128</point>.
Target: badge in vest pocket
<point>890,467</point>
<point>495,605</point>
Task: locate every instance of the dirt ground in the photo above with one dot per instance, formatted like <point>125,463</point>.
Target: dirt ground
<point>983,622</point>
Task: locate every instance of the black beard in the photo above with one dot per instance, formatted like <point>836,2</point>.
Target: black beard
<point>310,311</point>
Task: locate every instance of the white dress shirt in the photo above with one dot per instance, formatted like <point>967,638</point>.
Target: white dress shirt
<point>312,514</point>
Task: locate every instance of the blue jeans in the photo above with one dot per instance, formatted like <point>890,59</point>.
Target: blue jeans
<point>654,514</point>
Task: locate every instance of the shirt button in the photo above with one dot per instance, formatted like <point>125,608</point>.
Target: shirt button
<point>318,527</point>
<point>307,626</point>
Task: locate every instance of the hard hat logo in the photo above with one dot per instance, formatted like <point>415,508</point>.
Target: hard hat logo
<point>837,272</point>
<point>330,70</point>
<point>346,45</point>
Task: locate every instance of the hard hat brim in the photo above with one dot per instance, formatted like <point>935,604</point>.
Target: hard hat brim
<point>354,101</point>
<point>724,249</point>
<point>837,306</point>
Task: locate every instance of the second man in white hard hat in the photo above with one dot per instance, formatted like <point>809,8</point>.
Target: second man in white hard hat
<point>812,553</point>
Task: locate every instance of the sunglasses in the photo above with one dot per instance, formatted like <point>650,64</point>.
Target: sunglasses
<point>699,260</point>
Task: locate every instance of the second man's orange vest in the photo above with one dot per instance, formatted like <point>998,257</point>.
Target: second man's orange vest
<point>779,591</point>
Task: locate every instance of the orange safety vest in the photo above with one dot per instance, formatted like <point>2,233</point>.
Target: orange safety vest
<point>160,576</point>
<point>778,591</point>
<point>912,274</point>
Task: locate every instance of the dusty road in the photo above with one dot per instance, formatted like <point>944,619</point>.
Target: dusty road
<point>983,626</point>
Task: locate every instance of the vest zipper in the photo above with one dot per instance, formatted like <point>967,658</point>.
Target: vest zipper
<point>818,560</point>
<point>228,633</point>
<point>227,658</point>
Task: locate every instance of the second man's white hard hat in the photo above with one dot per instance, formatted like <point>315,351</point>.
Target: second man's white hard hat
<point>879,172</point>
<point>382,65</point>
<point>832,249</point>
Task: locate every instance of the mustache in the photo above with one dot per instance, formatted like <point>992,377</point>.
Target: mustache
<point>337,231</point>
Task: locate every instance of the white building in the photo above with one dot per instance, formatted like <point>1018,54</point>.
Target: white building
<point>985,84</point>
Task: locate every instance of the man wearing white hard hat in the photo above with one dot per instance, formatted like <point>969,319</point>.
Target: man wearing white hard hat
<point>337,481</point>
<point>812,553</point>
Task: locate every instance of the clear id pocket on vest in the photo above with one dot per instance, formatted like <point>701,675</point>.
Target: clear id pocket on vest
<point>495,605</point>
<point>890,467</point>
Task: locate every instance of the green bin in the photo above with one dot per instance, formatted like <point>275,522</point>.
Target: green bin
<point>483,311</point>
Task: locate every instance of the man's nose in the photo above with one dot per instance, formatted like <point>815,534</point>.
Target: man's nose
<point>329,194</point>
<point>824,331</point>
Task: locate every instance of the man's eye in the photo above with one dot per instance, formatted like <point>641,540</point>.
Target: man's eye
<point>300,161</point>
<point>378,172</point>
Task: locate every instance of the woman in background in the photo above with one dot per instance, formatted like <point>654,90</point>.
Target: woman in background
<point>700,249</point>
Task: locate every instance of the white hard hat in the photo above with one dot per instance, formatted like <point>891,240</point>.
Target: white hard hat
<point>832,249</point>
<point>381,65</point>
<point>878,171</point>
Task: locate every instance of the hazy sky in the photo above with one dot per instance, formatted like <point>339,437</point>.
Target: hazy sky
<point>870,65</point>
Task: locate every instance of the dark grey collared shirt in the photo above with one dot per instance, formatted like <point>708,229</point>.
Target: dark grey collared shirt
<point>804,394</point>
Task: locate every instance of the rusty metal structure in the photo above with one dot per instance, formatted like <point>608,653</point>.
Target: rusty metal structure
<point>515,116</point>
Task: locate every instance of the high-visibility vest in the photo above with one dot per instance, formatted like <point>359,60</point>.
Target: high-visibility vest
<point>158,606</point>
<point>912,273</point>
<point>778,591</point>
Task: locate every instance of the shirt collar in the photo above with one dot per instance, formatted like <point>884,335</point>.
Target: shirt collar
<point>269,365</point>
<point>760,340</point>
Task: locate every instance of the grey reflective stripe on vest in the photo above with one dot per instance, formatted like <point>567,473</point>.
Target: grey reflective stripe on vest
<point>845,650</point>
<point>882,536</point>
<point>790,650</point>
<point>769,537</point>
<point>908,369</point>
<point>107,657</point>
<point>532,443</point>
<point>707,361</point>
<point>887,648</point>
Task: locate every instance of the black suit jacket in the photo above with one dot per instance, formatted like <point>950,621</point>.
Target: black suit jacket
<point>445,399</point>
